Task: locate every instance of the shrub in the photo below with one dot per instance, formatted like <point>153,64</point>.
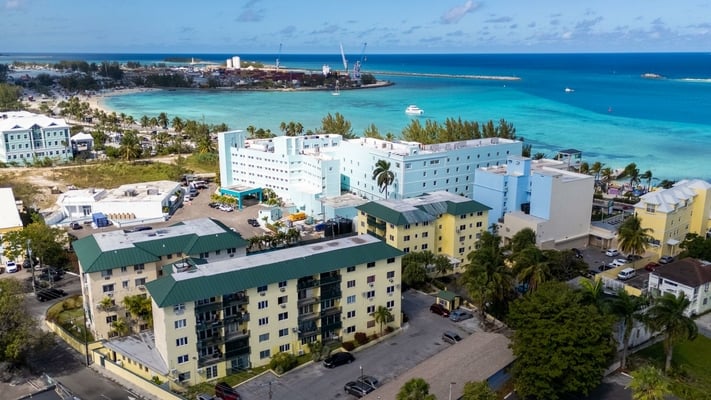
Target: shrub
<point>389,329</point>
<point>316,349</point>
<point>349,345</point>
<point>282,362</point>
<point>361,338</point>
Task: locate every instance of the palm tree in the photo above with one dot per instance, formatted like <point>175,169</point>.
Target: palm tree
<point>383,176</point>
<point>632,237</point>
<point>628,309</point>
<point>532,267</point>
<point>415,389</point>
<point>130,147</point>
<point>648,383</point>
<point>647,175</point>
<point>120,327</point>
<point>592,291</point>
<point>667,316</point>
<point>382,316</point>
<point>486,276</point>
<point>145,121</point>
<point>478,391</point>
<point>162,120</point>
<point>177,124</point>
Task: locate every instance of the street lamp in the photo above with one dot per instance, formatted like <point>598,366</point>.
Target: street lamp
<point>450,389</point>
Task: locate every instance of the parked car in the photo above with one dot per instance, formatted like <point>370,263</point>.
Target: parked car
<point>204,396</point>
<point>439,309</point>
<point>50,294</point>
<point>634,257</point>
<point>578,253</point>
<point>651,267</point>
<point>451,337</point>
<point>618,262</point>
<point>226,208</point>
<point>337,359</point>
<point>11,267</point>
<point>226,392</point>
<point>368,380</point>
<point>612,253</point>
<point>460,315</point>
<point>213,205</point>
<point>253,222</point>
<point>666,259</point>
<point>77,226</point>
<point>605,267</point>
<point>627,273</point>
<point>357,389</point>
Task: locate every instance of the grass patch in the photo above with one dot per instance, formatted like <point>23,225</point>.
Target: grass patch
<point>111,174</point>
<point>69,315</point>
<point>232,380</point>
<point>691,366</point>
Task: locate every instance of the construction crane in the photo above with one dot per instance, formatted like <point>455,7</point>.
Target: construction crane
<point>277,59</point>
<point>345,62</point>
<point>358,64</point>
<point>362,53</point>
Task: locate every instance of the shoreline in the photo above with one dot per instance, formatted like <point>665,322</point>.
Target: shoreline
<point>97,100</point>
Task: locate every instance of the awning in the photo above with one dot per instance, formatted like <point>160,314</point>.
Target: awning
<point>673,242</point>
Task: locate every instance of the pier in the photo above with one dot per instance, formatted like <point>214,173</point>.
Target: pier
<point>458,76</point>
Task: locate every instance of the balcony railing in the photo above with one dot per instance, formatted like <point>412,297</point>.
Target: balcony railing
<point>331,327</point>
<point>240,334</point>
<point>239,317</point>
<point>308,300</point>
<point>205,307</point>
<point>331,311</point>
<point>237,352</point>
<point>331,294</point>
<point>330,279</point>
<point>234,299</point>
<point>307,284</point>
<point>308,316</point>
<point>210,359</point>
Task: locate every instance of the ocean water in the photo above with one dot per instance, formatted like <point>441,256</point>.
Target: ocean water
<point>614,115</point>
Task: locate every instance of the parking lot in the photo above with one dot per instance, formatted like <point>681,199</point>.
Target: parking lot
<point>419,339</point>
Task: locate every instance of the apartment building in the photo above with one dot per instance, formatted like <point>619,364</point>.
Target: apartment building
<point>26,137</point>
<point>212,319</point>
<point>440,222</point>
<point>673,213</point>
<point>689,276</point>
<point>538,194</point>
<point>114,265</point>
<point>306,169</point>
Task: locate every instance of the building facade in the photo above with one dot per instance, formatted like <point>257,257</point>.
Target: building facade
<point>439,222</point>
<point>9,220</point>
<point>673,213</point>
<point>26,137</point>
<point>216,318</point>
<point>114,265</point>
<point>689,276</point>
<point>538,194</point>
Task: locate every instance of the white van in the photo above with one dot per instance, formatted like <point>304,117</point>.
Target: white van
<point>626,273</point>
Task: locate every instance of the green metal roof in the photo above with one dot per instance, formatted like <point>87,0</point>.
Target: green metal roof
<point>108,250</point>
<point>465,207</point>
<point>408,215</point>
<point>241,273</point>
<point>419,209</point>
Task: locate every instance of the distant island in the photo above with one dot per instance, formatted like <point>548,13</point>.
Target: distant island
<point>180,59</point>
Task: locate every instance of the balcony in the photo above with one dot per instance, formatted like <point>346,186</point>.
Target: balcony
<point>235,299</point>
<point>331,311</point>
<point>307,330</point>
<point>308,316</point>
<point>209,324</point>
<point>331,327</point>
<point>325,280</point>
<point>208,340</point>
<point>308,300</point>
<point>238,317</point>
<point>237,335</point>
<point>237,351</point>
<point>207,307</point>
<point>210,359</point>
<point>305,284</point>
<point>331,294</point>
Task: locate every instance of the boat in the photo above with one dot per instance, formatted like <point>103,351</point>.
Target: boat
<point>569,90</point>
<point>337,91</point>
<point>414,110</point>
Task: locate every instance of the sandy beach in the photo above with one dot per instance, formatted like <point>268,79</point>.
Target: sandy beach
<point>96,101</point>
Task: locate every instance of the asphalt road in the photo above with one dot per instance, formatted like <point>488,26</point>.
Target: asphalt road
<point>418,340</point>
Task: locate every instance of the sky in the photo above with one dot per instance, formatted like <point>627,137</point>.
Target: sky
<point>386,26</point>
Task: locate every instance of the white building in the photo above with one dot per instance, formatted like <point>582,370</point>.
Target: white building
<point>26,137</point>
<point>306,169</point>
<point>537,194</point>
<point>128,204</point>
<point>689,276</point>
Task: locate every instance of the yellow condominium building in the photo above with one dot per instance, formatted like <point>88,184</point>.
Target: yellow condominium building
<point>674,212</point>
<point>440,222</point>
<point>118,264</point>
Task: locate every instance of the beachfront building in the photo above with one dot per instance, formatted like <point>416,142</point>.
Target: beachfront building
<point>439,222</point>
<point>129,204</point>
<point>538,194</point>
<point>26,137</point>
<point>673,213</point>
<point>303,170</point>
<point>211,319</point>
<point>114,265</point>
<point>9,218</point>
<point>689,276</point>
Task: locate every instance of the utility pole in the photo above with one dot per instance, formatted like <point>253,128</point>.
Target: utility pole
<point>450,389</point>
<point>32,266</point>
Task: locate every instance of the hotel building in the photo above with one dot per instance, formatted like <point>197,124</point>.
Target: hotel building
<point>114,265</point>
<point>26,137</point>
<point>211,319</point>
<point>673,213</point>
<point>439,222</point>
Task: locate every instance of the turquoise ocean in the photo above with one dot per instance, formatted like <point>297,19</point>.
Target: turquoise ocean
<point>612,113</point>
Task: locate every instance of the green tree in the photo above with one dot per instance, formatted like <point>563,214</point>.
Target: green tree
<point>486,277</point>
<point>372,131</point>
<point>627,309</point>
<point>337,124</point>
<point>20,335</point>
<point>556,329</point>
<point>696,246</point>
<point>415,389</point>
<point>632,237</point>
<point>667,316</point>
<point>177,124</point>
<point>441,264</point>
<point>139,307</point>
<point>592,291</point>
<point>383,176</point>
<point>120,327</point>
<point>46,243</point>
<point>413,273</point>
<point>524,238</point>
<point>130,147</point>
<point>10,97</point>
<point>478,391</point>
<point>532,267</point>
<point>382,316</point>
<point>649,383</point>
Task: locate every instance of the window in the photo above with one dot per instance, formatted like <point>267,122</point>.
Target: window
<point>479,224</point>
<point>406,249</point>
<point>370,294</point>
<point>124,284</point>
<point>181,341</point>
<point>264,354</point>
<point>179,308</point>
<point>651,208</point>
<point>282,299</point>
<point>262,288</point>
<point>371,264</point>
<point>262,304</point>
<point>283,332</point>
<point>391,274</point>
<point>264,337</point>
<point>181,323</point>
<point>351,299</point>
<point>123,269</point>
<point>284,347</point>
<point>263,321</point>
<point>392,237</point>
<point>462,227</point>
<point>350,269</point>
<point>425,234</point>
<point>111,319</point>
<point>140,282</point>
<point>138,268</point>
<point>391,260</point>
<point>106,274</point>
<point>351,283</point>
<point>371,279</point>
<point>370,310</point>
<point>371,323</point>
<point>424,246</point>
<point>183,359</point>
<point>211,372</point>
<point>390,304</point>
<point>406,238</point>
<point>282,284</point>
<point>479,213</point>
<point>390,289</point>
<point>461,250</point>
<point>108,288</point>
<point>283,316</point>
<point>351,329</point>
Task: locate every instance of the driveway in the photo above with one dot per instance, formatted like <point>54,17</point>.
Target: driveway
<point>418,340</point>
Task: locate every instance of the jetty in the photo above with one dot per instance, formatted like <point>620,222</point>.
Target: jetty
<point>458,76</point>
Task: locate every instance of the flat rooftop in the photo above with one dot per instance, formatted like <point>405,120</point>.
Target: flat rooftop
<point>118,240</point>
<point>140,348</point>
<point>344,200</point>
<point>141,191</point>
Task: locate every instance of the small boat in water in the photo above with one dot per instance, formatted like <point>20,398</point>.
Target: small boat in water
<point>414,110</point>
<point>569,90</point>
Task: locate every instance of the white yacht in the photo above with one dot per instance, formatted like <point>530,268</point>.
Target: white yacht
<point>414,110</point>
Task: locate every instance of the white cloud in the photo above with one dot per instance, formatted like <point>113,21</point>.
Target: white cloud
<point>455,14</point>
<point>13,4</point>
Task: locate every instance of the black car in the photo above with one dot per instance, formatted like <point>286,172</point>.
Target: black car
<point>337,359</point>
<point>50,294</point>
<point>253,222</point>
<point>357,389</point>
<point>77,226</point>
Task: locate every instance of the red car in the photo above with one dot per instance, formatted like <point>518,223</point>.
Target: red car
<point>439,309</point>
<point>651,267</point>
